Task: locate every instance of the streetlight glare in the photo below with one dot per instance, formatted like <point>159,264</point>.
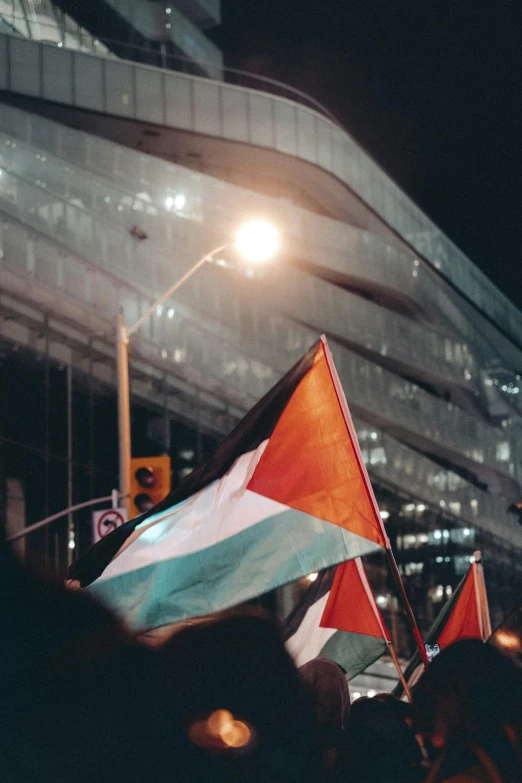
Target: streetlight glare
<point>257,240</point>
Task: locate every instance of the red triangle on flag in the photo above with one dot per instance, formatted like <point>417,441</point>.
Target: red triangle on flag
<point>312,461</point>
<point>464,620</point>
<point>351,605</point>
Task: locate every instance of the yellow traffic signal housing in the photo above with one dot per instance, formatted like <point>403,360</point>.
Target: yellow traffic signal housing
<point>149,483</point>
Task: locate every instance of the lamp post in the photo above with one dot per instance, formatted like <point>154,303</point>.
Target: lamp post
<point>255,241</point>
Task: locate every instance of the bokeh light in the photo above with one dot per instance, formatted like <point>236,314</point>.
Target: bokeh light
<point>507,640</point>
<point>236,734</point>
<point>220,731</point>
<point>218,720</point>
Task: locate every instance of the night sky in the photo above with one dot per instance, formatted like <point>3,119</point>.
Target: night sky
<point>433,91</point>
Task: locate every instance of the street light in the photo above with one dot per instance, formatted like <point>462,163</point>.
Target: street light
<point>256,241</point>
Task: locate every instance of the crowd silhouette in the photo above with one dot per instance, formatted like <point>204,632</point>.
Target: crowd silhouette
<point>221,700</point>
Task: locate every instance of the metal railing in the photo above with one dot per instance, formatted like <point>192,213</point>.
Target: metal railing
<point>158,56</point>
<point>237,76</point>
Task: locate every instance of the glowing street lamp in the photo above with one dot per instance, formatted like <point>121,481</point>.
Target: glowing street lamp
<point>256,241</point>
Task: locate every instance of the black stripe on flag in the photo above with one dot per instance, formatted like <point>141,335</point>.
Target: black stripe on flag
<point>314,593</point>
<point>256,427</point>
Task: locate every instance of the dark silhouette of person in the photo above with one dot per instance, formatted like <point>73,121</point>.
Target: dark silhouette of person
<point>330,694</point>
<point>468,707</point>
<point>79,701</point>
<point>381,745</point>
<point>237,665</point>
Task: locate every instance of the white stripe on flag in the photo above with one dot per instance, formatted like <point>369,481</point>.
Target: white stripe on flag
<point>214,514</point>
<point>309,639</point>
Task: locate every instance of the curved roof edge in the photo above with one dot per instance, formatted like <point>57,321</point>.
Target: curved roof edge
<point>153,95</point>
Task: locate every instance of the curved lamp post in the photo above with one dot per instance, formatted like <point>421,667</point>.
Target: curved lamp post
<point>256,241</point>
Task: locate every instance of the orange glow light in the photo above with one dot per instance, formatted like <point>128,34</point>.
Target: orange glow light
<point>236,734</point>
<point>508,640</point>
<point>220,731</point>
<point>217,722</point>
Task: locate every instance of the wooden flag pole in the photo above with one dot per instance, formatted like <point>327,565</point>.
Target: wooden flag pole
<point>409,610</point>
<point>395,660</point>
<point>481,595</point>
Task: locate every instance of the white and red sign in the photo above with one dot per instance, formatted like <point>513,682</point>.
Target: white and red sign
<point>104,522</point>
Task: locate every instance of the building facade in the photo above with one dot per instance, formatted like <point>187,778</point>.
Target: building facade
<point>143,127</point>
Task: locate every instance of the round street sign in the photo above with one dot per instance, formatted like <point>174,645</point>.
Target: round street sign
<point>109,521</point>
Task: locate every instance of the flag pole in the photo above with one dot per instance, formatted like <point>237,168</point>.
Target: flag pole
<point>481,596</point>
<point>395,660</point>
<point>371,497</point>
<point>409,611</point>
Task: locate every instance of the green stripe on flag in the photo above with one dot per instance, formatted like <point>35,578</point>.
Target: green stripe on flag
<point>353,651</point>
<point>269,554</point>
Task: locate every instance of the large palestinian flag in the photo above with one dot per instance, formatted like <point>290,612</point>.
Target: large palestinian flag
<point>337,618</point>
<point>285,494</point>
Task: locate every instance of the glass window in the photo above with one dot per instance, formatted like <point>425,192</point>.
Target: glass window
<point>503,451</point>
<point>464,536</point>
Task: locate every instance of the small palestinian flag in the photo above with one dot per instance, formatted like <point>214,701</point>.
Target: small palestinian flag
<point>464,616</point>
<point>285,494</point>
<point>337,618</point>
<point>469,616</point>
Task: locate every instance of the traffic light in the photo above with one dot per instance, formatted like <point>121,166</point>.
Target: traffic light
<point>149,483</point>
